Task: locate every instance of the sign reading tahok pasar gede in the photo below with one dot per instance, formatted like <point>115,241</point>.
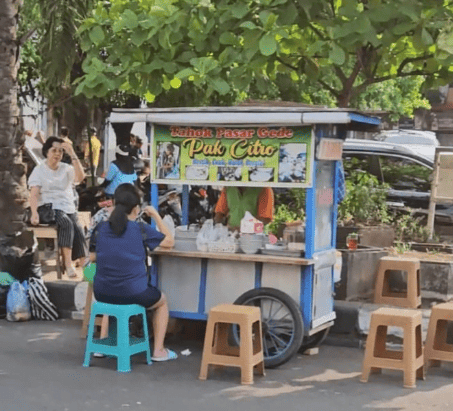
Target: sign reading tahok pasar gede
<point>249,156</point>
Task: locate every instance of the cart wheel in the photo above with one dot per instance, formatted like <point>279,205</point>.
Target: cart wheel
<point>282,324</point>
<point>314,340</point>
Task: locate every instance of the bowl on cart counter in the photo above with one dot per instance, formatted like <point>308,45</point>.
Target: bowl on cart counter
<point>251,243</point>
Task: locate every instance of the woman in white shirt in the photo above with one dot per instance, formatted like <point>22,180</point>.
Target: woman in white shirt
<point>52,182</point>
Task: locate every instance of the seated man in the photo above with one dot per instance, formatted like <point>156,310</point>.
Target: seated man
<point>235,201</point>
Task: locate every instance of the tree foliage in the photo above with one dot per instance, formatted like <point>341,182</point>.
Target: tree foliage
<point>344,46</point>
<point>49,46</point>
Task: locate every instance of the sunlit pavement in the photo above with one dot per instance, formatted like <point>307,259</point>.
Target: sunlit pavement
<point>41,369</point>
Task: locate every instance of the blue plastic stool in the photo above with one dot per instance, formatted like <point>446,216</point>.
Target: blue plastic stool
<point>118,343</point>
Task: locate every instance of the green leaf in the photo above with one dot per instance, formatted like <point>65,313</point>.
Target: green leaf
<point>220,85</point>
<point>130,19</point>
<point>186,56</point>
<point>383,13</point>
<point>204,64</point>
<point>426,37</point>
<point>227,38</point>
<point>138,37</point>
<point>97,35</point>
<point>170,67</point>
<point>185,73</point>
<point>362,25</point>
<point>239,10</point>
<point>445,42</point>
<point>344,30</point>
<point>403,28</point>
<point>268,45</point>
<point>288,15</point>
<point>337,55</point>
<point>175,82</point>
<point>248,25</point>
<point>149,97</point>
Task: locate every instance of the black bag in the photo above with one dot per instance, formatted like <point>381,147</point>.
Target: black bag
<point>19,256</point>
<point>3,293</point>
<point>46,214</point>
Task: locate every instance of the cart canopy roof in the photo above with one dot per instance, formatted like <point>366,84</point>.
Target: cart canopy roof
<point>247,115</point>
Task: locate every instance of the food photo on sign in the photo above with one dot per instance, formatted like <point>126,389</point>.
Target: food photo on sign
<point>167,160</point>
<point>292,163</point>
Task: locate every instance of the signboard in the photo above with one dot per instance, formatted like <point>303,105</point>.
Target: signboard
<point>441,187</point>
<point>249,156</point>
<point>444,189</point>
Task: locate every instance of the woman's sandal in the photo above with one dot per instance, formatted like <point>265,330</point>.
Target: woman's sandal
<point>71,272</point>
<point>171,355</point>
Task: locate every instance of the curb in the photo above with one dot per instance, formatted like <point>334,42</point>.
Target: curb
<point>350,328</point>
<point>69,297</point>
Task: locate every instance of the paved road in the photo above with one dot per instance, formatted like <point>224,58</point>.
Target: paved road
<point>40,369</point>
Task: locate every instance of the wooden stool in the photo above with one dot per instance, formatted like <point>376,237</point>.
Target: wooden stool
<point>46,231</point>
<point>436,347</point>
<point>102,322</point>
<point>410,360</point>
<point>409,299</point>
<point>84,220</point>
<point>217,351</point>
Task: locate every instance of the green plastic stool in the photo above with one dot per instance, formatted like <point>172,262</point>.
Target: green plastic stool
<point>118,343</point>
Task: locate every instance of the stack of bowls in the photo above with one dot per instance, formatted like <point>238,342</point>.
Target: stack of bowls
<point>251,243</point>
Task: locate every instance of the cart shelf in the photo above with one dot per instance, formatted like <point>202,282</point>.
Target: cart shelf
<point>258,258</point>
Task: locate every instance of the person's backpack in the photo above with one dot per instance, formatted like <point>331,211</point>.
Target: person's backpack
<point>41,306</point>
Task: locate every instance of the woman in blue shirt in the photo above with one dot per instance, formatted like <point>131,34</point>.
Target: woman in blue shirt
<point>118,247</point>
<point>120,171</point>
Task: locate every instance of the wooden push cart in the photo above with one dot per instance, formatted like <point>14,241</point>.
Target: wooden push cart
<point>295,294</point>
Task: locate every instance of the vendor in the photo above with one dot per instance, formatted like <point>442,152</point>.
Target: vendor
<point>235,201</point>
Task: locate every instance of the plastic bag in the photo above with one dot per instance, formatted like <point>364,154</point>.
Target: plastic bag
<point>168,221</point>
<point>211,233</point>
<point>17,304</point>
<point>204,234</point>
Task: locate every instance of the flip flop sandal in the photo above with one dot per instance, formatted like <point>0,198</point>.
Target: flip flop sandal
<point>171,355</point>
<point>71,273</point>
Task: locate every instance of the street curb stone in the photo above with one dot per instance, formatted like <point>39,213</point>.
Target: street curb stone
<point>344,332</point>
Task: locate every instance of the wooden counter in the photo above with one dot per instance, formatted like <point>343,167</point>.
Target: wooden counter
<point>258,258</point>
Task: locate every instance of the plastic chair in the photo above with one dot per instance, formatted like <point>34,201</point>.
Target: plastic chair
<point>217,351</point>
<point>437,348</point>
<point>118,343</point>
<point>409,360</point>
<point>411,298</point>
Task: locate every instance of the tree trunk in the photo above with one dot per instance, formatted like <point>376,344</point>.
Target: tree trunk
<point>344,99</point>
<point>13,189</point>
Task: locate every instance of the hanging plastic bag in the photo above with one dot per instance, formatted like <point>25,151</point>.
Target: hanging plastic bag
<point>17,304</point>
<point>168,221</point>
<point>204,235</point>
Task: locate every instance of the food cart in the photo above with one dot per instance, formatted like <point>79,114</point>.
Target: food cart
<point>295,293</point>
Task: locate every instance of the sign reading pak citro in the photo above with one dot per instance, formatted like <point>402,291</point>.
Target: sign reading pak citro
<point>249,156</point>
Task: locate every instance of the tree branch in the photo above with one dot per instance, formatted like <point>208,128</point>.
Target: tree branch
<point>286,64</point>
<point>408,60</point>
<point>317,31</point>
<point>21,41</point>
<point>334,92</point>
<point>332,6</point>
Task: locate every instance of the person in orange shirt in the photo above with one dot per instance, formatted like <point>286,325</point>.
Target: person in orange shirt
<point>235,201</point>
